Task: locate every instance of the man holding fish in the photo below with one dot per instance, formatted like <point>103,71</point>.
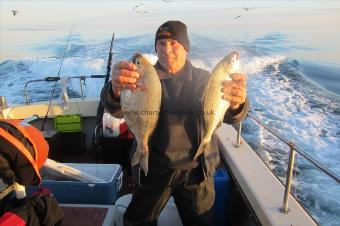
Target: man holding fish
<point>175,149</point>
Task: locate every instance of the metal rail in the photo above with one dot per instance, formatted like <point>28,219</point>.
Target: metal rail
<point>293,149</point>
<point>3,105</point>
<point>81,78</point>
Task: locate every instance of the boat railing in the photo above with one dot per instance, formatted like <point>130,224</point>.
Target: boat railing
<point>82,79</point>
<point>293,149</point>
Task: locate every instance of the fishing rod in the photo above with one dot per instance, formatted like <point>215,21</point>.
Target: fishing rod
<point>100,109</point>
<point>108,68</point>
<point>55,84</point>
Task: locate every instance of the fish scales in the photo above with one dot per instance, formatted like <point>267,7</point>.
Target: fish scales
<point>141,109</point>
<point>214,107</point>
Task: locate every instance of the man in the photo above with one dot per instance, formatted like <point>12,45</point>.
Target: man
<point>172,168</point>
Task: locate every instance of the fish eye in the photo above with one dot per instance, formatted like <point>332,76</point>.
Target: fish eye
<point>137,62</point>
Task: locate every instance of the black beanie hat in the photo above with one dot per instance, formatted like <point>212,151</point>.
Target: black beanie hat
<point>176,30</point>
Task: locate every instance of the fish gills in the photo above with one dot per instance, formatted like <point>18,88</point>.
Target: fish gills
<point>141,109</point>
<point>214,107</point>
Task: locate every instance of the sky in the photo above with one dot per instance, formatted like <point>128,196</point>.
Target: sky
<point>199,15</point>
<point>317,19</point>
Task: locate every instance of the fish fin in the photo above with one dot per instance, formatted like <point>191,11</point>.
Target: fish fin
<point>141,87</point>
<point>136,158</point>
<point>203,97</point>
<point>144,163</point>
<point>201,148</point>
<point>141,158</point>
<point>219,124</point>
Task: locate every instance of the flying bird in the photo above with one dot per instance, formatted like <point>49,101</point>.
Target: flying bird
<point>136,6</point>
<point>247,9</point>
<point>15,12</point>
<point>236,17</point>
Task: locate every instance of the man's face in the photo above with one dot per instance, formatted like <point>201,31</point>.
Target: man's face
<point>171,55</point>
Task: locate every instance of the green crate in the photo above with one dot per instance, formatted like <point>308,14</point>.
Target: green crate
<point>68,123</point>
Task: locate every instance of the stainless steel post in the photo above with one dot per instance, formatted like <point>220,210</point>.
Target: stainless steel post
<point>239,130</point>
<point>81,88</point>
<point>289,178</point>
<point>3,103</point>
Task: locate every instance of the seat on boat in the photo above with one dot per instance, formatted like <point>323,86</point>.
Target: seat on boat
<point>168,217</point>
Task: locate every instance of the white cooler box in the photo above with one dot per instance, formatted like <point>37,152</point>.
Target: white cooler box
<point>85,192</point>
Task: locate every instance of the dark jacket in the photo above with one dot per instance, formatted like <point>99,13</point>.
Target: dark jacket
<point>180,93</point>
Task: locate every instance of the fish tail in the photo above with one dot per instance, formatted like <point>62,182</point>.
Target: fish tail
<point>201,148</point>
<point>141,157</point>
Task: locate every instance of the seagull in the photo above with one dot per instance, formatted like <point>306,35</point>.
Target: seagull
<point>236,17</point>
<point>136,6</point>
<point>247,9</point>
<point>15,12</point>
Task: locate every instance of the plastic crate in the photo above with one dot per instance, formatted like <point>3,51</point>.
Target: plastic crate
<point>76,192</point>
<point>68,123</point>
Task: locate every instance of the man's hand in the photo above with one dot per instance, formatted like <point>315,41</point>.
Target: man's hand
<point>124,76</point>
<point>235,90</point>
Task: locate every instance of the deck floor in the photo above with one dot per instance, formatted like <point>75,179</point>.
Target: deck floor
<point>83,216</point>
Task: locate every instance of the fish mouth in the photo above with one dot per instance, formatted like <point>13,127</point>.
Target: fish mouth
<point>235,57</point>
<point>232,62</point>
<point>235,63</point>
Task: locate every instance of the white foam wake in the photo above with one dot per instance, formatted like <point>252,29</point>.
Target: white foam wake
<point>249,65</point>
<point>258,64</point>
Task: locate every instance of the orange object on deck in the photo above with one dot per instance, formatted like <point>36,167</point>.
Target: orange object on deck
<point>25,148</point>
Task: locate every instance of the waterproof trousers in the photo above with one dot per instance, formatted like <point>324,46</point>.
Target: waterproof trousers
<point>194,197</point>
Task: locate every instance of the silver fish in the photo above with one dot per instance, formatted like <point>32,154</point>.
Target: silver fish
<point>214,107</point>
<point>141,108</point>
